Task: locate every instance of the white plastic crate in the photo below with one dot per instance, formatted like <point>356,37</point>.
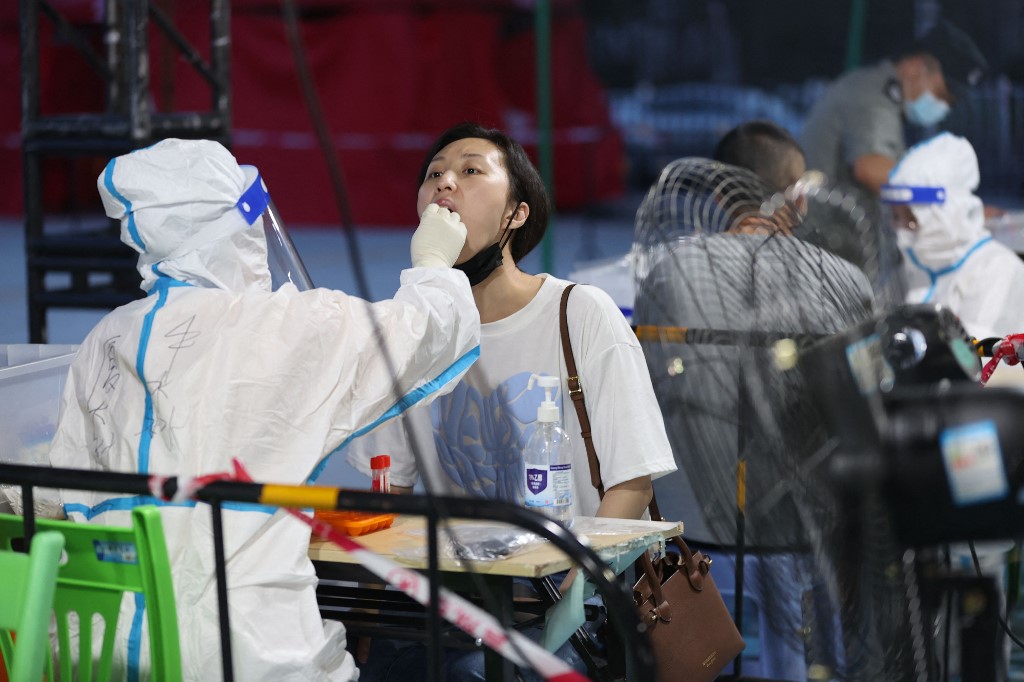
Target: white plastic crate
<point>32,380</point>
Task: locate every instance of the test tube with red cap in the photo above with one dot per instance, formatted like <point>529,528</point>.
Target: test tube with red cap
<point>380,469</point>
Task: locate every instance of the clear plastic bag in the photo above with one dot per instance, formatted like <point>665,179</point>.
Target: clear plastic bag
<point>487,543</point>
<point>471,541</point>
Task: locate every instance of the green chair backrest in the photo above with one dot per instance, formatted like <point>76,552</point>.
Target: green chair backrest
<point>104,562</point>
<point>26,600</point>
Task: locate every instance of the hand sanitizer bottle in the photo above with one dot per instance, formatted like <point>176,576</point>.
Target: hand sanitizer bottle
<point>548,459</point>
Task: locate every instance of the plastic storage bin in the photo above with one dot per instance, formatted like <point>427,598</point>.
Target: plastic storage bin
<point>32,380</point>
<point>356,522</point>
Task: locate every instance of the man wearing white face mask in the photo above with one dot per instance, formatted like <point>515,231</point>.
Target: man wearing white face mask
<point>218,362</point>
<point>949,257</point>
<point>854,133</point>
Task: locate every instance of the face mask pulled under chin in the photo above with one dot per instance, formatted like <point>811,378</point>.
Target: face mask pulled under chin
<point>926,111</point>
<point>480,266</point>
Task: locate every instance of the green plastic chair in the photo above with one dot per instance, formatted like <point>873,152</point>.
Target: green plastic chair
<point>104,562</point>
<point>26,600</point>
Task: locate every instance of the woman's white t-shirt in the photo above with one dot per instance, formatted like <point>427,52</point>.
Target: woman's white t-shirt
<point>472,439</point>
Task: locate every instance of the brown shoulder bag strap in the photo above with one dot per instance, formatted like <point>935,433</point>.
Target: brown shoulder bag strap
<point>576,393</point>
<point>696,566</point>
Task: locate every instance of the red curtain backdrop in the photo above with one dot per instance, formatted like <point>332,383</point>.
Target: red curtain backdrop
<point>390,76</point>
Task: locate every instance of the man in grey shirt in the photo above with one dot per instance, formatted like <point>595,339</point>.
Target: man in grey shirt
<point>713,263</point>
<point>854,133</point>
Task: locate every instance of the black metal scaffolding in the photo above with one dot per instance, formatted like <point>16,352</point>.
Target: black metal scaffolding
<point>81,263</point>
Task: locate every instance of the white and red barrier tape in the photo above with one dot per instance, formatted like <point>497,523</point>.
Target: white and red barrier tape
<point>513,645</point>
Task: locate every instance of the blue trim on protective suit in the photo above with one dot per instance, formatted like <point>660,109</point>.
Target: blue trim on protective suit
<point>135,638</point>
<point>934,275</point>
<point>129,503</point>
<point>108,182</point>
<point>404,403</point>
<point>145,440</point>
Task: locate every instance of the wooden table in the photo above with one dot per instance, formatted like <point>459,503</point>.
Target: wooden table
<point>373,611</point>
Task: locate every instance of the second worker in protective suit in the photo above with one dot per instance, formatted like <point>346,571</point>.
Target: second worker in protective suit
<point>215,364</point>
<point>949,257</point>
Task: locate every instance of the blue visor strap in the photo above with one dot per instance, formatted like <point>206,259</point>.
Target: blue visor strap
<point>254,200</point>
<point>907,194</point>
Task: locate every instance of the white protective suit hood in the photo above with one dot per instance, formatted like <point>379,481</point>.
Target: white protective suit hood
<point>181,206</point>
<point>951,225</point>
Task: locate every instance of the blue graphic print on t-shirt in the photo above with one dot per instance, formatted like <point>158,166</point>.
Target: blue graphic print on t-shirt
<point>480,438</point>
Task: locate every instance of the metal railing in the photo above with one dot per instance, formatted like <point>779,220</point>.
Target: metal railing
<point>639,657</point>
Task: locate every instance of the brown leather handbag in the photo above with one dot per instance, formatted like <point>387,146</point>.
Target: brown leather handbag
<point>692,633</point>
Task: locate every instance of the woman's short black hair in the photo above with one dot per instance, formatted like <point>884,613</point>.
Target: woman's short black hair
<point>524,183</point>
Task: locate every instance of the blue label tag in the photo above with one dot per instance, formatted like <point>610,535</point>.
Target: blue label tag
<point>116,552</point>
<point>536,480</point>
<point>253,201</point>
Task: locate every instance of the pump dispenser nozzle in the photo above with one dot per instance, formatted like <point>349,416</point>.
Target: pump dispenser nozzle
<point>548,410</point>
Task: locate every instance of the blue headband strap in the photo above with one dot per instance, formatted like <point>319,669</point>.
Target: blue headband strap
<point>906,194</point>
<point>253,201</point>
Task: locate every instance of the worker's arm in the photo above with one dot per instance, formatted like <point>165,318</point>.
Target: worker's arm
<point>402,489</point>
<point>872,171</point>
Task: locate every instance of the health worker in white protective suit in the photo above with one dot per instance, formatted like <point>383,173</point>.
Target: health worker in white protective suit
<point>952,260</point>
<point>949,257</point>
<point>215,364</point>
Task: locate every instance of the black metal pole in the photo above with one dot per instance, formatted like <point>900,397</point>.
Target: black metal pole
<point>434,654</point>
<point>743,410</point>
<point>222,591</point>
<point>220,63</point>
<point>28,507</point>
<point>741,521</point>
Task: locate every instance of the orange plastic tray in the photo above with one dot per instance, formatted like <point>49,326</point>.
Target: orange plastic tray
<point>356,522</point>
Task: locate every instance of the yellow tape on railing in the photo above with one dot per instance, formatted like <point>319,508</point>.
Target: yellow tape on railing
<point>650,332</point>
<point>301,496</point>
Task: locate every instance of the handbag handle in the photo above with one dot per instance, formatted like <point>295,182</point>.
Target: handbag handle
<point>661,609</point>
<point>696,565</point>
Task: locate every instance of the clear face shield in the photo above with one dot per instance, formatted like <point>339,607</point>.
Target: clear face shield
<point>282,256</point>
<point>900,200</point>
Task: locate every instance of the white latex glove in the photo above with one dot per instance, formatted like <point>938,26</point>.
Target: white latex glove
<point>438,240</point>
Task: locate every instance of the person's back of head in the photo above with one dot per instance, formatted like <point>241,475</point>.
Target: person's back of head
<point>766,149</point>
